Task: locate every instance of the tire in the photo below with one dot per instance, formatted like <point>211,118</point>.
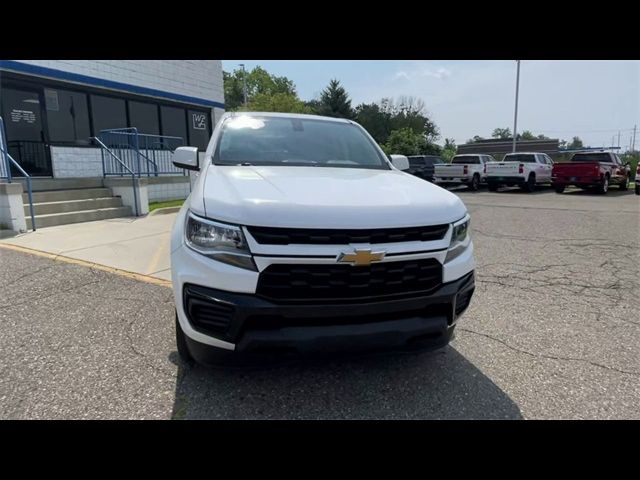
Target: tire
<point>603,188</point>
<point>181,345</point>
<point>493,187</point>
<point>530,186</point>
<point>475,183</point>
<point>637,189</point>
<point>559,188</point>
<point>625,184</point>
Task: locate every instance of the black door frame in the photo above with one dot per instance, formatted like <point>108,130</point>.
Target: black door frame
<point>44,132</point>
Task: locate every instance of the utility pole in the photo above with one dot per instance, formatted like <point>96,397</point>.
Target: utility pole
<point>633,148</point>
<point>618,139</point>
<point>515,115</point>
<point>244,83</point>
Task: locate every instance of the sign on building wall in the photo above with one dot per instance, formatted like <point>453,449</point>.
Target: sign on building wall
<point>199,121</point>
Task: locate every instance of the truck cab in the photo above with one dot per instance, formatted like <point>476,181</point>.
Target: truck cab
<point>465,169</point>
<point>524,169</point>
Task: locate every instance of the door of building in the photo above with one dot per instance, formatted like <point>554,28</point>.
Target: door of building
<point>26,136</point>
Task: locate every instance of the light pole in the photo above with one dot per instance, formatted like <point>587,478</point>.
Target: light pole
<point>244,83</point>
<point>515,116</point>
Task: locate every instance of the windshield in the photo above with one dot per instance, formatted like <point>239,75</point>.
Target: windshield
<point>261,140</point>
<point>520,158</point>
<point>591,157</point>
<point>467,160</point>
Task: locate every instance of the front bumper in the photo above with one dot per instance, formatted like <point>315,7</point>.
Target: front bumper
<point>255,325</point>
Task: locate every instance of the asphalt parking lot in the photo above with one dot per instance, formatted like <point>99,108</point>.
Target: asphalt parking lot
<point>553,331</point>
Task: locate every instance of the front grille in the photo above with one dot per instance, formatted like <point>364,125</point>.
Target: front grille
<point>345,282</point>
<point>206,314</point>
<point>306,236</point>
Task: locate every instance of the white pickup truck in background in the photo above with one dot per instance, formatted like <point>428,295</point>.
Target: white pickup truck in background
<point>525,169</point>
<point>468,169</point>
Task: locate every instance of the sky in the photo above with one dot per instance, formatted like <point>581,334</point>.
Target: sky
<point>561,99</point>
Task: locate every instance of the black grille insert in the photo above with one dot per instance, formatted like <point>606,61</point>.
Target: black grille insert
<point>206,314</point>
<point>345,282</point>
<point>305,236</point>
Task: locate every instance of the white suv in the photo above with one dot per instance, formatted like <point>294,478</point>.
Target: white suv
<point>301,235</point>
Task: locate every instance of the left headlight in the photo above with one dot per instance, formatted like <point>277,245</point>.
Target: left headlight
<point>219,241</point>
<point>459,238</point>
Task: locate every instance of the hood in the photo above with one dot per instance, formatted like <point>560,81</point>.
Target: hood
<point>324,197</point>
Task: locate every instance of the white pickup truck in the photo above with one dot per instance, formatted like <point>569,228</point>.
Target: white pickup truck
<point>300,234</point>
<point>525,169</point>
<point>465,169</point>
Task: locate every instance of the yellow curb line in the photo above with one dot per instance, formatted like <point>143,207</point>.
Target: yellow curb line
<point>124,273</point>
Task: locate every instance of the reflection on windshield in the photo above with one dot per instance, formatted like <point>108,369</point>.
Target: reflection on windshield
<point>293,141</point>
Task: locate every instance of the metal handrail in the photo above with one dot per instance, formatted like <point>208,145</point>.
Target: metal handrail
<point>136,146</point>
<point>8,161</point>
<point>122,164</point>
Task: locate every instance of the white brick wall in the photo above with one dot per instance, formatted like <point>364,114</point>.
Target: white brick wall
<point>76,162</point>
<point>168,191</point>
<point>195,78</point>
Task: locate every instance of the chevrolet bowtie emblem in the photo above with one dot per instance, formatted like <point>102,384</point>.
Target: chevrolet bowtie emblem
<point>361,257</point>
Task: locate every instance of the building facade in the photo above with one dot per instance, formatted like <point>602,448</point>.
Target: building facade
<point>53,108</point>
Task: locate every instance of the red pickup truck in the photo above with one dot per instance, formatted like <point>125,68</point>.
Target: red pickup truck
<point>591,170</point>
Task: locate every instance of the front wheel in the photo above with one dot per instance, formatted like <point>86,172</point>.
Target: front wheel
<point>559,188</point>
<point>625,184</point>
<point>181,344</point>
<point>637,189</point>
<point>604,185</point>
<point>493,187</point>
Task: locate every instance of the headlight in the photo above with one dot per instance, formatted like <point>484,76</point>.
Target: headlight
<point>222,242</point>
<point>459,238</point>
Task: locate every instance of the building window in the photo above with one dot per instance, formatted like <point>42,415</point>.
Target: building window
<point>67,116</point>
<point>107,112</point>
<point>198,122</point>
<point>144,116</point>
<point>174,122</point>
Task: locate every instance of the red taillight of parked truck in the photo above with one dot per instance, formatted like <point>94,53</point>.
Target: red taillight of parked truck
<point>521,168</point>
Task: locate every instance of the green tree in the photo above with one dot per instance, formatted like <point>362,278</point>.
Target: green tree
<point>476,138</point>
<point>375,120</point>
<point>503,133</point>
<point>450,149</point>
<point>575,144</point>
<point>334,101</point>
<point>407,142</point>
<point>277,102</point>
<point>259,81</point>
<point>526,135</point>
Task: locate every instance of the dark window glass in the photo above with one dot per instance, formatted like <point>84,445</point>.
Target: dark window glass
<point>107,112</point>
<point>67,116</point>
<point>198,128</point>
<point>144,116</point>
<point>592,157</point>
<point>471,160</point>
<point>174,123</point>
<point>521,158</point>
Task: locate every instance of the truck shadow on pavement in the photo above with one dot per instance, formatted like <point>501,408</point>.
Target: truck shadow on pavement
<point>438,385</point>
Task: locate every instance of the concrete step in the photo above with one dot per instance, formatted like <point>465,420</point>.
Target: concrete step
<point>66,195</point>
<point>67,206</point>
<point>54,219</point>
<point>46,184</point>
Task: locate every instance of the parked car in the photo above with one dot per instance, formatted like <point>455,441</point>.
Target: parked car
<point>596,170</point>
<point>637,179</point>
<point>300,234</point>
<point>464,169</point>
<point>422,166</point>
<point>524,169</point>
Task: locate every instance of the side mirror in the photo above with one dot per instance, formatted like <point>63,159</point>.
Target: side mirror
<point>186,157</point>
<point>401,162</point>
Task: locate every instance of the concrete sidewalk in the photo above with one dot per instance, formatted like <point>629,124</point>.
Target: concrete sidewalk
<point>137,245</point>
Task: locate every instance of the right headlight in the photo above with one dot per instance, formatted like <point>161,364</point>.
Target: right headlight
<point>219,241</point>
<point>459,238</point>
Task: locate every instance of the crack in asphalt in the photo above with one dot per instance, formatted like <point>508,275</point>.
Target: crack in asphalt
<point>551,357</point>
